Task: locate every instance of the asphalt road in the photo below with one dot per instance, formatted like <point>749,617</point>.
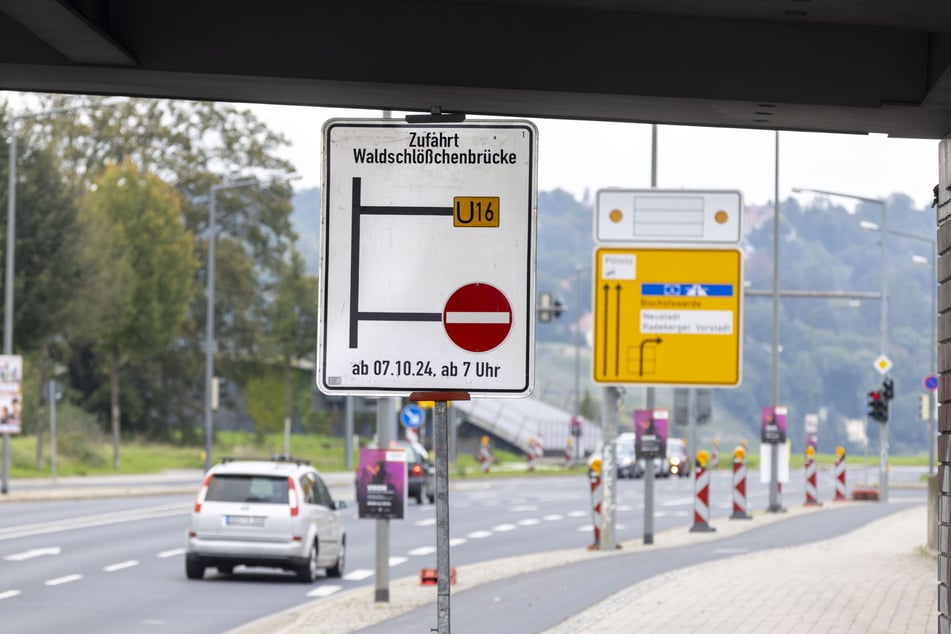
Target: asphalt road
<point>116,565</point>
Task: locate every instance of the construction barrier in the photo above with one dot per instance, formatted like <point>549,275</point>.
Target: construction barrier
<point>840,488</point>
<point>485,454</point>
<point>569,452</point>
<point>739,485</point>
<point>597,493</point>
<point>715,454</point>
<point>429,576</point>
<point>701,508</point>
<point>812,490</point>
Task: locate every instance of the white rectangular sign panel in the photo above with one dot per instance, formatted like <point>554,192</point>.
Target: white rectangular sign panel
<point>427,257</point>
<point>670,216</point>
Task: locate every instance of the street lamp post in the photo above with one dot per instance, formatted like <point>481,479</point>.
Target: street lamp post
<point>883,436</point>
<point>210,344</point>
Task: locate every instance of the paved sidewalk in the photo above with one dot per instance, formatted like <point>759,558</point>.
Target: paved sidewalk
<point>876,579</point>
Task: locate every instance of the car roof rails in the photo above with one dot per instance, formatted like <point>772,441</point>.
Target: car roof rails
<point>272,458</point>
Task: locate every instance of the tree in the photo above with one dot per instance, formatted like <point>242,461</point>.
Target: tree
<point>153,255</point>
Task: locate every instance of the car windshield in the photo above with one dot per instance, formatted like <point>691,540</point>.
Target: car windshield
<point>247,488</point>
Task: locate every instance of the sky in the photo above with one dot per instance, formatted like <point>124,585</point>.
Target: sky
<point>579,156</point>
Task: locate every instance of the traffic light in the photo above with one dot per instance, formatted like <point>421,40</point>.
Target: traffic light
<point>549,307</point>
<point>877,407</point>
<point>888,389</point>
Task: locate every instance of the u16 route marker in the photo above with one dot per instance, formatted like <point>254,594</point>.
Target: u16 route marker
<point>427,257</point>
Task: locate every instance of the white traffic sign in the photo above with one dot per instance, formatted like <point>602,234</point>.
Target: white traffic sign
<point>676,216</point>
<point>883,364</point>
<point>427,257</point>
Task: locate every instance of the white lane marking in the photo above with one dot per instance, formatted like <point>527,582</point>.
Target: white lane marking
<point>625,507</point>
<point>30,554</point>
<point>422,550</point>
<point>528,521</point>
<point>457,541</point>
<point>171,553</point>
<point>677,501</point>
<point>524,507</point>
<point>584,529</point>
<point>504,528</point>
<point>358,575</point>
<point>122,565</point>
<point>103,519</point>
<point>9,594</point>
<point>479,534</point>
<point>324,591</point>
<point>554,517</point>
<point>396,561</point>
<point>426,522</point>
<point>578,513</point>
<point>61,580</point>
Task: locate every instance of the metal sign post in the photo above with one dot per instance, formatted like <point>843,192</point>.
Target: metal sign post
<point>441,449</point>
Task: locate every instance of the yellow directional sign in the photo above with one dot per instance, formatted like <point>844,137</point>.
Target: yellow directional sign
<point>667,316</point>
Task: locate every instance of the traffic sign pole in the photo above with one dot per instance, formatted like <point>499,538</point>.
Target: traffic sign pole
<point>441,447</point>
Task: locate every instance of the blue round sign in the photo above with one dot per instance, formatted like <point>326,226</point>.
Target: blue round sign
<point>931,382</point>
<point>411,416</point>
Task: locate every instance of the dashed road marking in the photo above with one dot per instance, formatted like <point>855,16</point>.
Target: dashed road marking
<point>554,517</point>
<point>504,528</point>
<point>171,553</point>
<point>9,594</point>
<point>457,541</point>
<point>61,580</point>
<point>30,554</point>
<point>524,508</point>
<point>122,565</point>
<point>577,513</point>
<point>479,534</point>
<point>426,522</point>
<point>396,561</point>
<point>528,521</point>
<point>358,575</point>
<point>324,591</point>
<point>422,550</point>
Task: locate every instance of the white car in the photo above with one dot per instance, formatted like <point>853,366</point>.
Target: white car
<point>276,513</point>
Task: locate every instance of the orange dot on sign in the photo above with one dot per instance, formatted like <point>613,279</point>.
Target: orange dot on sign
<point>721,217</point>
<point>615,215</point>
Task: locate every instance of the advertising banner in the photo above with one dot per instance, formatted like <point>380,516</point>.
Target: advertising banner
<point>11,394</point>
<point>773,425</point>
<point>381,484</point>
<point>650,433</point>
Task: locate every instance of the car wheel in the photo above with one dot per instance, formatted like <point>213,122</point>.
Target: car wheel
<point>308,570</point>
<point>337,569</point>
<point>194,569</point>
<point>421,494</point>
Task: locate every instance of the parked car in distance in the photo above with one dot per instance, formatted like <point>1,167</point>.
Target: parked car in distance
<point>677,460</point>
<point>627,465</point>
<point>275,512</point>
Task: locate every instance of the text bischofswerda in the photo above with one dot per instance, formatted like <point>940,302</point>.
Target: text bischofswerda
<point>433,148</point>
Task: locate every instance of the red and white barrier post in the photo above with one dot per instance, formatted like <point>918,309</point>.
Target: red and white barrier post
<point>701,508</point>
<point>812,490</point>
<point>739,485</point>
<point>597,494</point>
<point>840,488</point>
<point>485,454</point>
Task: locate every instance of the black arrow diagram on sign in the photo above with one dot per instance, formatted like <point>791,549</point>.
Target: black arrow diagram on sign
<point>656,340</point>
<point>604,352</point>
<point>617,332</point>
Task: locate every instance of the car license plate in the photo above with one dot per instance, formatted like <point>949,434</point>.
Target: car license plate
<point>243,520</point>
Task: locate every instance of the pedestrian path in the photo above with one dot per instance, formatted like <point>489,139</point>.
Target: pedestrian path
<point>876,579</point>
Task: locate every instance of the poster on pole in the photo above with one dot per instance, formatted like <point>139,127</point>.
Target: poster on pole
<point>773,421</point>
<point>381,484</point>
<point>11,393</point>
<point>650,433</point>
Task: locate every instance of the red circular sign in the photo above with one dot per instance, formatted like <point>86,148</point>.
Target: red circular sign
<point>477,317</point>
